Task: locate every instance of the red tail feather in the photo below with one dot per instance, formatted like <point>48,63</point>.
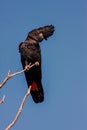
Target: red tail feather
<point>34,87</point>
<point>37,92</point>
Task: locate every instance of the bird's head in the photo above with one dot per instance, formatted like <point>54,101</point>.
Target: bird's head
<point>35,35</point>
<point>41,33</point>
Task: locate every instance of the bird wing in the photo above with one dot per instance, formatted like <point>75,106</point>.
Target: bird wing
<point>33,78</point>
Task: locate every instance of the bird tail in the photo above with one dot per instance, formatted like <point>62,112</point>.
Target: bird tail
<point>37,92</point>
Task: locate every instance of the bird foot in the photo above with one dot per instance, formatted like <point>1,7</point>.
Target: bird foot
<point>27,67</point>
<point>37,63</point>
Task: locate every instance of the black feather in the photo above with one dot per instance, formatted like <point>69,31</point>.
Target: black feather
<point>30,53</point>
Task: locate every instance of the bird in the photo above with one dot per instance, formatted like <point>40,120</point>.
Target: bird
<point>30,52</point>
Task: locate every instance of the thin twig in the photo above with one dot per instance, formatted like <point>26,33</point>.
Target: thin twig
<point>20,110</point>
<point>27,67</point>
<point>2,100</point>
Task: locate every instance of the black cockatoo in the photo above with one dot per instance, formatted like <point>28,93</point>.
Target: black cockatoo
<point>30,53</point>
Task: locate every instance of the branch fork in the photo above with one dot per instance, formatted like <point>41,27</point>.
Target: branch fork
<point>27,68</point>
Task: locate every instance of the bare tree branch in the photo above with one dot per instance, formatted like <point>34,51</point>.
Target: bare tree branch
<point>27,67</point>
<point>20,110</point>
<point>2,100</point>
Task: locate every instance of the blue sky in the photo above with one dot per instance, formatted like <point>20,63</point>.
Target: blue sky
<point>64,64</point>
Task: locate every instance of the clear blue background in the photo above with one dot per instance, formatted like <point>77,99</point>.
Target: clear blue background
<point>64,64</point>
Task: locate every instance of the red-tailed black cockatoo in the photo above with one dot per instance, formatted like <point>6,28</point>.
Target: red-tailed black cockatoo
<point>30,53</point>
